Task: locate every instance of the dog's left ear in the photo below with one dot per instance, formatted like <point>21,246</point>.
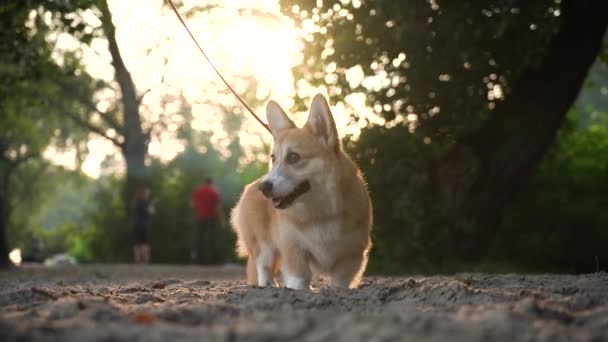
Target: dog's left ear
<point>321,123</point>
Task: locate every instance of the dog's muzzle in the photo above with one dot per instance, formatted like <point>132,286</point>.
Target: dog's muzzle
<point>285,201</point>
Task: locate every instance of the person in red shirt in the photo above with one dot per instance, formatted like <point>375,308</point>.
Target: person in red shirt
<point>206,200</point>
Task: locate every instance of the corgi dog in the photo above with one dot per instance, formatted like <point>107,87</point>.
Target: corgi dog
<point>311,213</point>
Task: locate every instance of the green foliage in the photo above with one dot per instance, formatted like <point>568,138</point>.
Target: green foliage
<point>560,217</point>
<point>108,236</point>
<point>31,102</point>
<point>431,57</point>
<point>27,185</point>
<point>48,206</point>
<point>406,215</point>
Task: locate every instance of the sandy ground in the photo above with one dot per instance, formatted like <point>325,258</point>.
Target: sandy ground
<point>185,303</point>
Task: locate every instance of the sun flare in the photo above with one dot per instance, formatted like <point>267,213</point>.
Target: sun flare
<point>247,40</point>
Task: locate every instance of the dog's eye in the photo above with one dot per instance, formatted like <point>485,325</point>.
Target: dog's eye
<point>292,158</point>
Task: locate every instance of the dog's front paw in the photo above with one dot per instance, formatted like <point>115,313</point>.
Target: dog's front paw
<point>267,282</point>
<point>296,283</point>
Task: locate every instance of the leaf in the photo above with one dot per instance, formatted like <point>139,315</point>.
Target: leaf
<point>144,318</point>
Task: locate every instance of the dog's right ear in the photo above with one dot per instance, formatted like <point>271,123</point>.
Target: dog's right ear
<point>277,118</point>
<point>321,122</point>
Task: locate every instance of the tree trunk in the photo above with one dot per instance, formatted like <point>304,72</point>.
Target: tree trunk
<point>5,172</point>
<point>482,171</point>
<point>135,147</point>
<point>4,249</point>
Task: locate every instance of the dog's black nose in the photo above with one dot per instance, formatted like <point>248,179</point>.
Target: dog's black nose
<point>266,188</point>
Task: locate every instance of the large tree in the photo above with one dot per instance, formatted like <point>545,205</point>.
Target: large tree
<point>122,123</point>
<point>472,94</point>
<point>134,146</point>
<point>508,145</point>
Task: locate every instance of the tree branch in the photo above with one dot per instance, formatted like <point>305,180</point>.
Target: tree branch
<point>141,97</point>
<point>95,129</point>
<point>106,117</point>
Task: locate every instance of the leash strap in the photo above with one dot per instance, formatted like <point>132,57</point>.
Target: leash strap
<point>214,68</point>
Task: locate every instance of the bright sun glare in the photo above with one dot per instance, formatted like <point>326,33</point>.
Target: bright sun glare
<point>244,38</point>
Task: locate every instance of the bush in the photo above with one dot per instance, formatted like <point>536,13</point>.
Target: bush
<point>558,221</point>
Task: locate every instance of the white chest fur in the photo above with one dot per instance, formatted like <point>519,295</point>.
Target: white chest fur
<point>324,241</point>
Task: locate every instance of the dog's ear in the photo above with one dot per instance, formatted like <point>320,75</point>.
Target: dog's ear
<point>321,123</point>
<point>277,119</point>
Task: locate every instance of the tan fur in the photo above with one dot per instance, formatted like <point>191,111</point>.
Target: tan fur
<point>327,229</point>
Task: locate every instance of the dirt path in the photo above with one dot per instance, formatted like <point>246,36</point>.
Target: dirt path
<point>175,303</point>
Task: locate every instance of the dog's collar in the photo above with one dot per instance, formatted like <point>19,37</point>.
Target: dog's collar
<point>286,201</point>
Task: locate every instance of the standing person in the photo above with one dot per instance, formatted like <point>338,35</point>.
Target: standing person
<point>142,209</point>
<point>206,201</point>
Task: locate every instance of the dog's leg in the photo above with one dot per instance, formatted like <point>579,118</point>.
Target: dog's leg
<point>252,277</point>
<point>295,266</point>
<point>347,273</point>
<point>264,265</point>
<point>276,266</point>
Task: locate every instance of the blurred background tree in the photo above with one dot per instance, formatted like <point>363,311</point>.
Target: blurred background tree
<point>30,103</point>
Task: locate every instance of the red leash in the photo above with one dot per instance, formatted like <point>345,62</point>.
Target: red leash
<point>214,68</point>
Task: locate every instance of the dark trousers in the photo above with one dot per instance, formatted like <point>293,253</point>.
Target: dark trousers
<point>206,249</point>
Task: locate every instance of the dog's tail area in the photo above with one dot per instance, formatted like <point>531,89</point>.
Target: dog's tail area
<point>241,246</point>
